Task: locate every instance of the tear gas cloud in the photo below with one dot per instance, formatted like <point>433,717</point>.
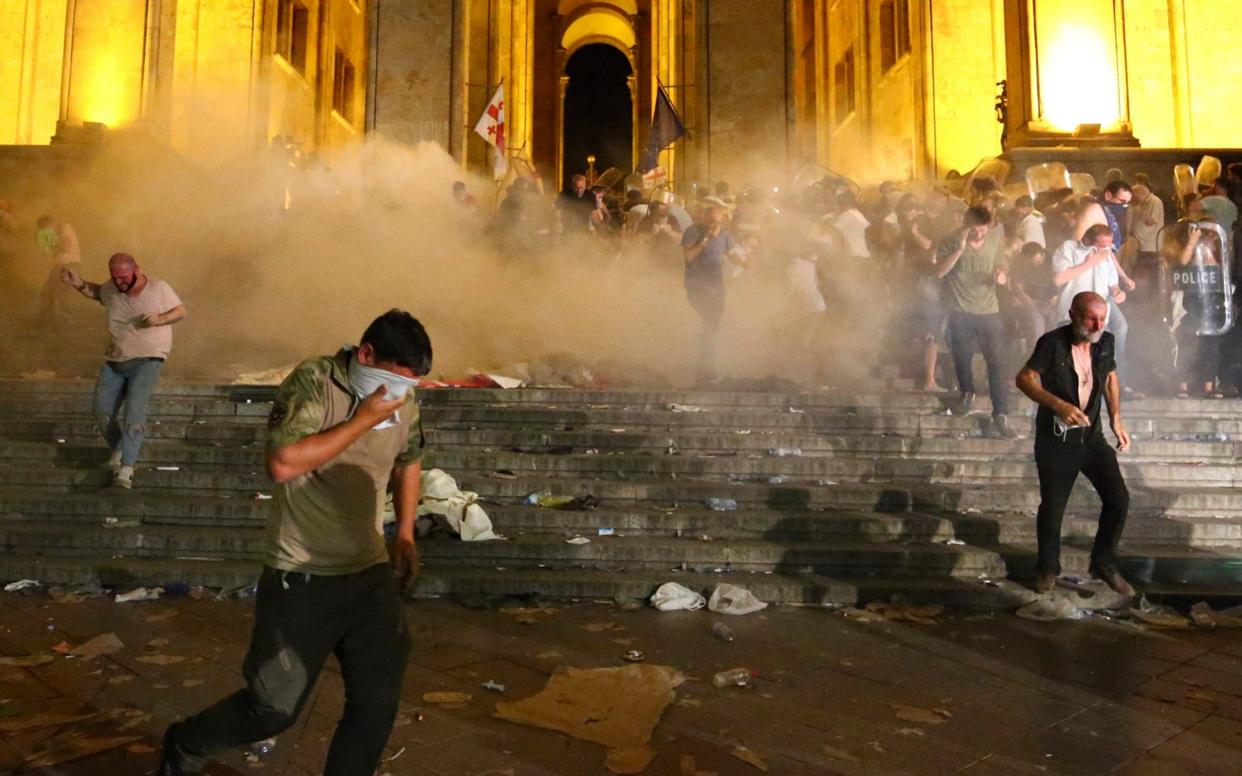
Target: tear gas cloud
<point>375,228</point>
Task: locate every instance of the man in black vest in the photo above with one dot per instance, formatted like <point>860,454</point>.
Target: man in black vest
<point>1071,368</point>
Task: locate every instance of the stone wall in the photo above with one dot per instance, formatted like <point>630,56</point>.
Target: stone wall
<point>744,132</point>
<point>413,54</point>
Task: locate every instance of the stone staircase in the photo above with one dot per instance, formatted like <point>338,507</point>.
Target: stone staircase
<point>887,494</point>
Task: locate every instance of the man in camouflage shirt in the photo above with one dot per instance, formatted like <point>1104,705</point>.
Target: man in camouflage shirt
<point>342,429</point>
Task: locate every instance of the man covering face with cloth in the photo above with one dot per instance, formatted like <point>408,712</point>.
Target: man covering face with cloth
<point>342,428</point>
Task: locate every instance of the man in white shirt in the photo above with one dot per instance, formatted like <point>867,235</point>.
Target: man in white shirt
<point>1090,265</point>
<point>1030,227</point>
<point>853,226</point>
<point>141,311</point>
<point>807,303</point>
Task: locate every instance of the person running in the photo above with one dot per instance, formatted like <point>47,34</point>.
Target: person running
<point>141,311</point>
<point>342,429</point>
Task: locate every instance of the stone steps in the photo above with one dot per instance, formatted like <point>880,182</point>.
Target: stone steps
<point>858,444</point>
<point>878,492</point>
<point>876,496</point>
<point>21,508</point>
<point>652,556</point>
<point>883,484</point>
<point>809,468</point>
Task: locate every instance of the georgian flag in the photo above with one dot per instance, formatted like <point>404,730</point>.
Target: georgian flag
<point>491,127</point>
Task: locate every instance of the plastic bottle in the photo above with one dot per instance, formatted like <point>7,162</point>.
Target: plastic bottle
<point>785,452</point>
<point>722,504</point>
<point>722,631</point>
<point>734,677</point>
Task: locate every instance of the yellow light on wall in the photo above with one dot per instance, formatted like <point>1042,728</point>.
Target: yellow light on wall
<point>105,76</point>
<point>1078,79</point>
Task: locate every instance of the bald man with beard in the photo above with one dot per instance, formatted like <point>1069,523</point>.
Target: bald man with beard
<point>1072,368</point>
<point>141,311</point>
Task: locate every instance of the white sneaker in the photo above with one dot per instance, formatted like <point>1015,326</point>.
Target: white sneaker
<point>114,462</point>
<point>124,477</point>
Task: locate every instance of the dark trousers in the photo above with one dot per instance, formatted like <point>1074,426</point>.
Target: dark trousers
<point>1198,357</point>
<point>709,303</point>
<point>298,621</point>
<point>986,333</point>
<point>1059,464</point>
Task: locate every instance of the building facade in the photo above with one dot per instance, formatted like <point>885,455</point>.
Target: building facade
<point>198,75</point>
<point>874,89</point>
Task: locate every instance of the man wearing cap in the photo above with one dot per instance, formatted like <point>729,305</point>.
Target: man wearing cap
<point>343,428</point>
<point>141,311</point>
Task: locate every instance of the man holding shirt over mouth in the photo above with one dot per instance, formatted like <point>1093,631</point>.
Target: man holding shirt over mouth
<point>342,428</point>
<point>1071,369</point>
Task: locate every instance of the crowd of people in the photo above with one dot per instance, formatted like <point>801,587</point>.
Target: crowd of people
<point>959,272</point>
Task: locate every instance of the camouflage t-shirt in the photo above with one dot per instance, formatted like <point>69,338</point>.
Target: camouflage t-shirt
<point>329,521</point>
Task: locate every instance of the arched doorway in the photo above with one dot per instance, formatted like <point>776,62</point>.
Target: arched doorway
<point>598,111</point>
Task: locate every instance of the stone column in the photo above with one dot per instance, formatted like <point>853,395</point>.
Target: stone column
<point>563,86</point>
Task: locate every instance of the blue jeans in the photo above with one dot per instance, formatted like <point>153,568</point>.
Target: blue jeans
<point>1119,327</point>
<point>130,382</point>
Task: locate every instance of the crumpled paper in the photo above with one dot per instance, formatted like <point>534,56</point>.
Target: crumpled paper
<point>616,707</point>
<point>440,495</point>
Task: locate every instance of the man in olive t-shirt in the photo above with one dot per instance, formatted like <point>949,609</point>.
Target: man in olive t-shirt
<point>342,428</point>
<point>972,264</point>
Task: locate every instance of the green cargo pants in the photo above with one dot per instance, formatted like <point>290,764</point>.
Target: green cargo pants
<point>299,620</point>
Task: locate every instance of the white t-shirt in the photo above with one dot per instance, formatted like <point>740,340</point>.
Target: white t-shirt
<point>1101,278</point>
<point>127,336</point>
<point>853,226</point>
<point>804,286</point>
<point>1031,229</point>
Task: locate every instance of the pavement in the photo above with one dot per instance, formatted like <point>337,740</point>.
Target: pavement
<point>961,691</point>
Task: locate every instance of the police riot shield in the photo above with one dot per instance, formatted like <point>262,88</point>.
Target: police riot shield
<point>1082,182</point>
<point>1208,171</point>
<point>1200,260</point>
<point>1048,176</point>
<point>1184,185</point>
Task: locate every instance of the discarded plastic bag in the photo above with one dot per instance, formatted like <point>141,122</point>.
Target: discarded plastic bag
<point>671,597</point>
<point>731,599</point>
<point>21,584</point>
<point>1158,615</point>
<point>1052,607</point>
<point>441,496</point>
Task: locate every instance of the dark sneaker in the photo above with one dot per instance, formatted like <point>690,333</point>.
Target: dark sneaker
<point>1001,429</point>
<point>170,765</point>
<point>961,407</point>
<point>1111,576</point>
<point>1045,582</point>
